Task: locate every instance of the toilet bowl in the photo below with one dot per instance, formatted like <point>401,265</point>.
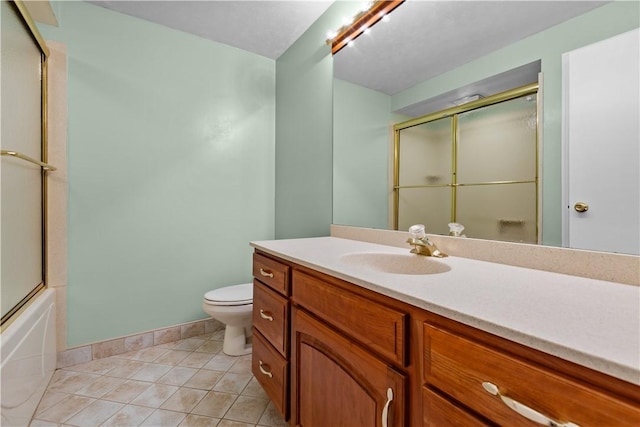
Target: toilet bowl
<point>233,306</point>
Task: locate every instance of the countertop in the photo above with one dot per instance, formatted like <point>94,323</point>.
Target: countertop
<point>590,322</point>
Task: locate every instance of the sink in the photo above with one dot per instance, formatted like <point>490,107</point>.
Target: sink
<point>395,263</point>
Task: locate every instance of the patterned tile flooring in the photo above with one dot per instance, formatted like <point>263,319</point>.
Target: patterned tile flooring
<point>185,383</point>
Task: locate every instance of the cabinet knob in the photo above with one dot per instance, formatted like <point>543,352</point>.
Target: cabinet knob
<point>264,368</point>
<point>385,410</point>
<point>266,315</point>
<point>525,411</point>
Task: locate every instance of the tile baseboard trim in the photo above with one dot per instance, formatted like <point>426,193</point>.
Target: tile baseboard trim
<point>125,344</point>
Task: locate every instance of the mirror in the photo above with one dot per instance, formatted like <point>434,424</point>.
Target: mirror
<point>430,54</point>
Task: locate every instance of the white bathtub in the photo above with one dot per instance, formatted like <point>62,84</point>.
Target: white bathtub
<point>28,355</point>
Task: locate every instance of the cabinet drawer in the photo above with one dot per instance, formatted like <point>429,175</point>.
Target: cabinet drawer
<point>272,273</point>
<point>459,367</point>
<point>375,325</point>
<point>440,412</point>
<point>271,316</point>
<point>272,372</point>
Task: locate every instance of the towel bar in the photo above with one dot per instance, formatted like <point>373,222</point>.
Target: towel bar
<point>45,166</point>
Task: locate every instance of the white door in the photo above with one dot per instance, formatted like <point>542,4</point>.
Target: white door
<point>601,145</point>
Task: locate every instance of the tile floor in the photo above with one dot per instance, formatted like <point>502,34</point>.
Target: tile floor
<point>185,383</point>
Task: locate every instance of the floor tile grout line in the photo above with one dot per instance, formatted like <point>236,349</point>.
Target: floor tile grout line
<point>232,365</point>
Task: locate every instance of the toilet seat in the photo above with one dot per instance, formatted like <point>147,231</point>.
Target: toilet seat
<point>231,295</point>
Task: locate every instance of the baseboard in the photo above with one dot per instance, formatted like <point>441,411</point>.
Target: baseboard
<point>125,344</point>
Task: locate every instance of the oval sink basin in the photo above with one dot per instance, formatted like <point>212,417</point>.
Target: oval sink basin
<point>395,263</point>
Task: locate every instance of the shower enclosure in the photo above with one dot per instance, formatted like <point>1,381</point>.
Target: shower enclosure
<point>475,164</point>
<point>23,168</point>
<point>28,334</point>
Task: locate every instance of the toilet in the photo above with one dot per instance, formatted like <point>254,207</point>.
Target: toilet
<point>233,306</point>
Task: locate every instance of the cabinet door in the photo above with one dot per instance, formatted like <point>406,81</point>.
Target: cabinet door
<point>338,383</point>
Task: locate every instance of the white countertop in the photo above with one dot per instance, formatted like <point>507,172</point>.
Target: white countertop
<point>590,322</point>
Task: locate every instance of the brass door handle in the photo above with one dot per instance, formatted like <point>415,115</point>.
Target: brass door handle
<point>581,207</point>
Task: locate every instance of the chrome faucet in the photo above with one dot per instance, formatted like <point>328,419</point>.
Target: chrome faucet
<point>421,243</point>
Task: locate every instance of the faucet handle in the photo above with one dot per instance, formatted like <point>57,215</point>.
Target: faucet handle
<point>417,231</point>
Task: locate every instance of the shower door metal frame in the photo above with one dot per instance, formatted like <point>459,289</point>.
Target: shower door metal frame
<point>453,112</point>
<point>30,25</point>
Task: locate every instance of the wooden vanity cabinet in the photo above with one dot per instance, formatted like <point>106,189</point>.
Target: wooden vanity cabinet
<point>347,356</point>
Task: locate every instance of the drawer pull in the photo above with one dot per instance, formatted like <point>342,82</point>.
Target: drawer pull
<point>266,273</point>
<point>385,410</point>
<point>264,370</point>
<point>525,411</point>
<point>266,315</point>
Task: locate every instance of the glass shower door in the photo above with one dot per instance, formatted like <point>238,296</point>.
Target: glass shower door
<point>424,178</point>
<point>496,196</point>
<point>21,200</point>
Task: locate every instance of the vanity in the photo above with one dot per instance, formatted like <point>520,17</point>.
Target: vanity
<point>350,333</point>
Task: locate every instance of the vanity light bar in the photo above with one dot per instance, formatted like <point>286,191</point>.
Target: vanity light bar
<point>361,23</point>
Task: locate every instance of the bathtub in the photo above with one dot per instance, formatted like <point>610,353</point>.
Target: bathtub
<point>28,360</point>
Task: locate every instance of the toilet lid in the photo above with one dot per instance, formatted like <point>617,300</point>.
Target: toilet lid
<point>231,295</point>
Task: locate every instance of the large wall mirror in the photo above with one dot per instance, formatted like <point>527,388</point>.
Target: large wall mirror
<point>431,56</point>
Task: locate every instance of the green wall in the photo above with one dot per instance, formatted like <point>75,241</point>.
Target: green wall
<point>171,149</point>
<point>304,129</point>
<point>549,45</point>
<point>361,132</point>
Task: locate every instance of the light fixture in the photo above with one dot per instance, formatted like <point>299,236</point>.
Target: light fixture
<point>361,23</point>
<point>466,99</point>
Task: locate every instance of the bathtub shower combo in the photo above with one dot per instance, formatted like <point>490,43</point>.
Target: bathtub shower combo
<point>28,354</point>
<point>28,335</point>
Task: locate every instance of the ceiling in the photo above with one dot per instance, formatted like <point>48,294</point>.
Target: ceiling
<point>267,28</point>
<point>422,39</point>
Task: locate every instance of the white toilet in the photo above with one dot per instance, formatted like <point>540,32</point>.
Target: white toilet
<point>233,306</point>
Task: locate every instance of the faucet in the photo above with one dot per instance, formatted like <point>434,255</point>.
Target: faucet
<point>421,243</point>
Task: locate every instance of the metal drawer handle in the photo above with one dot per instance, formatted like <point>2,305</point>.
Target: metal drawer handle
<point>263,370</point>
<point>525,411</point>
<point>266,273</point>
<point>385,410</point>
<point>266,315</point>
